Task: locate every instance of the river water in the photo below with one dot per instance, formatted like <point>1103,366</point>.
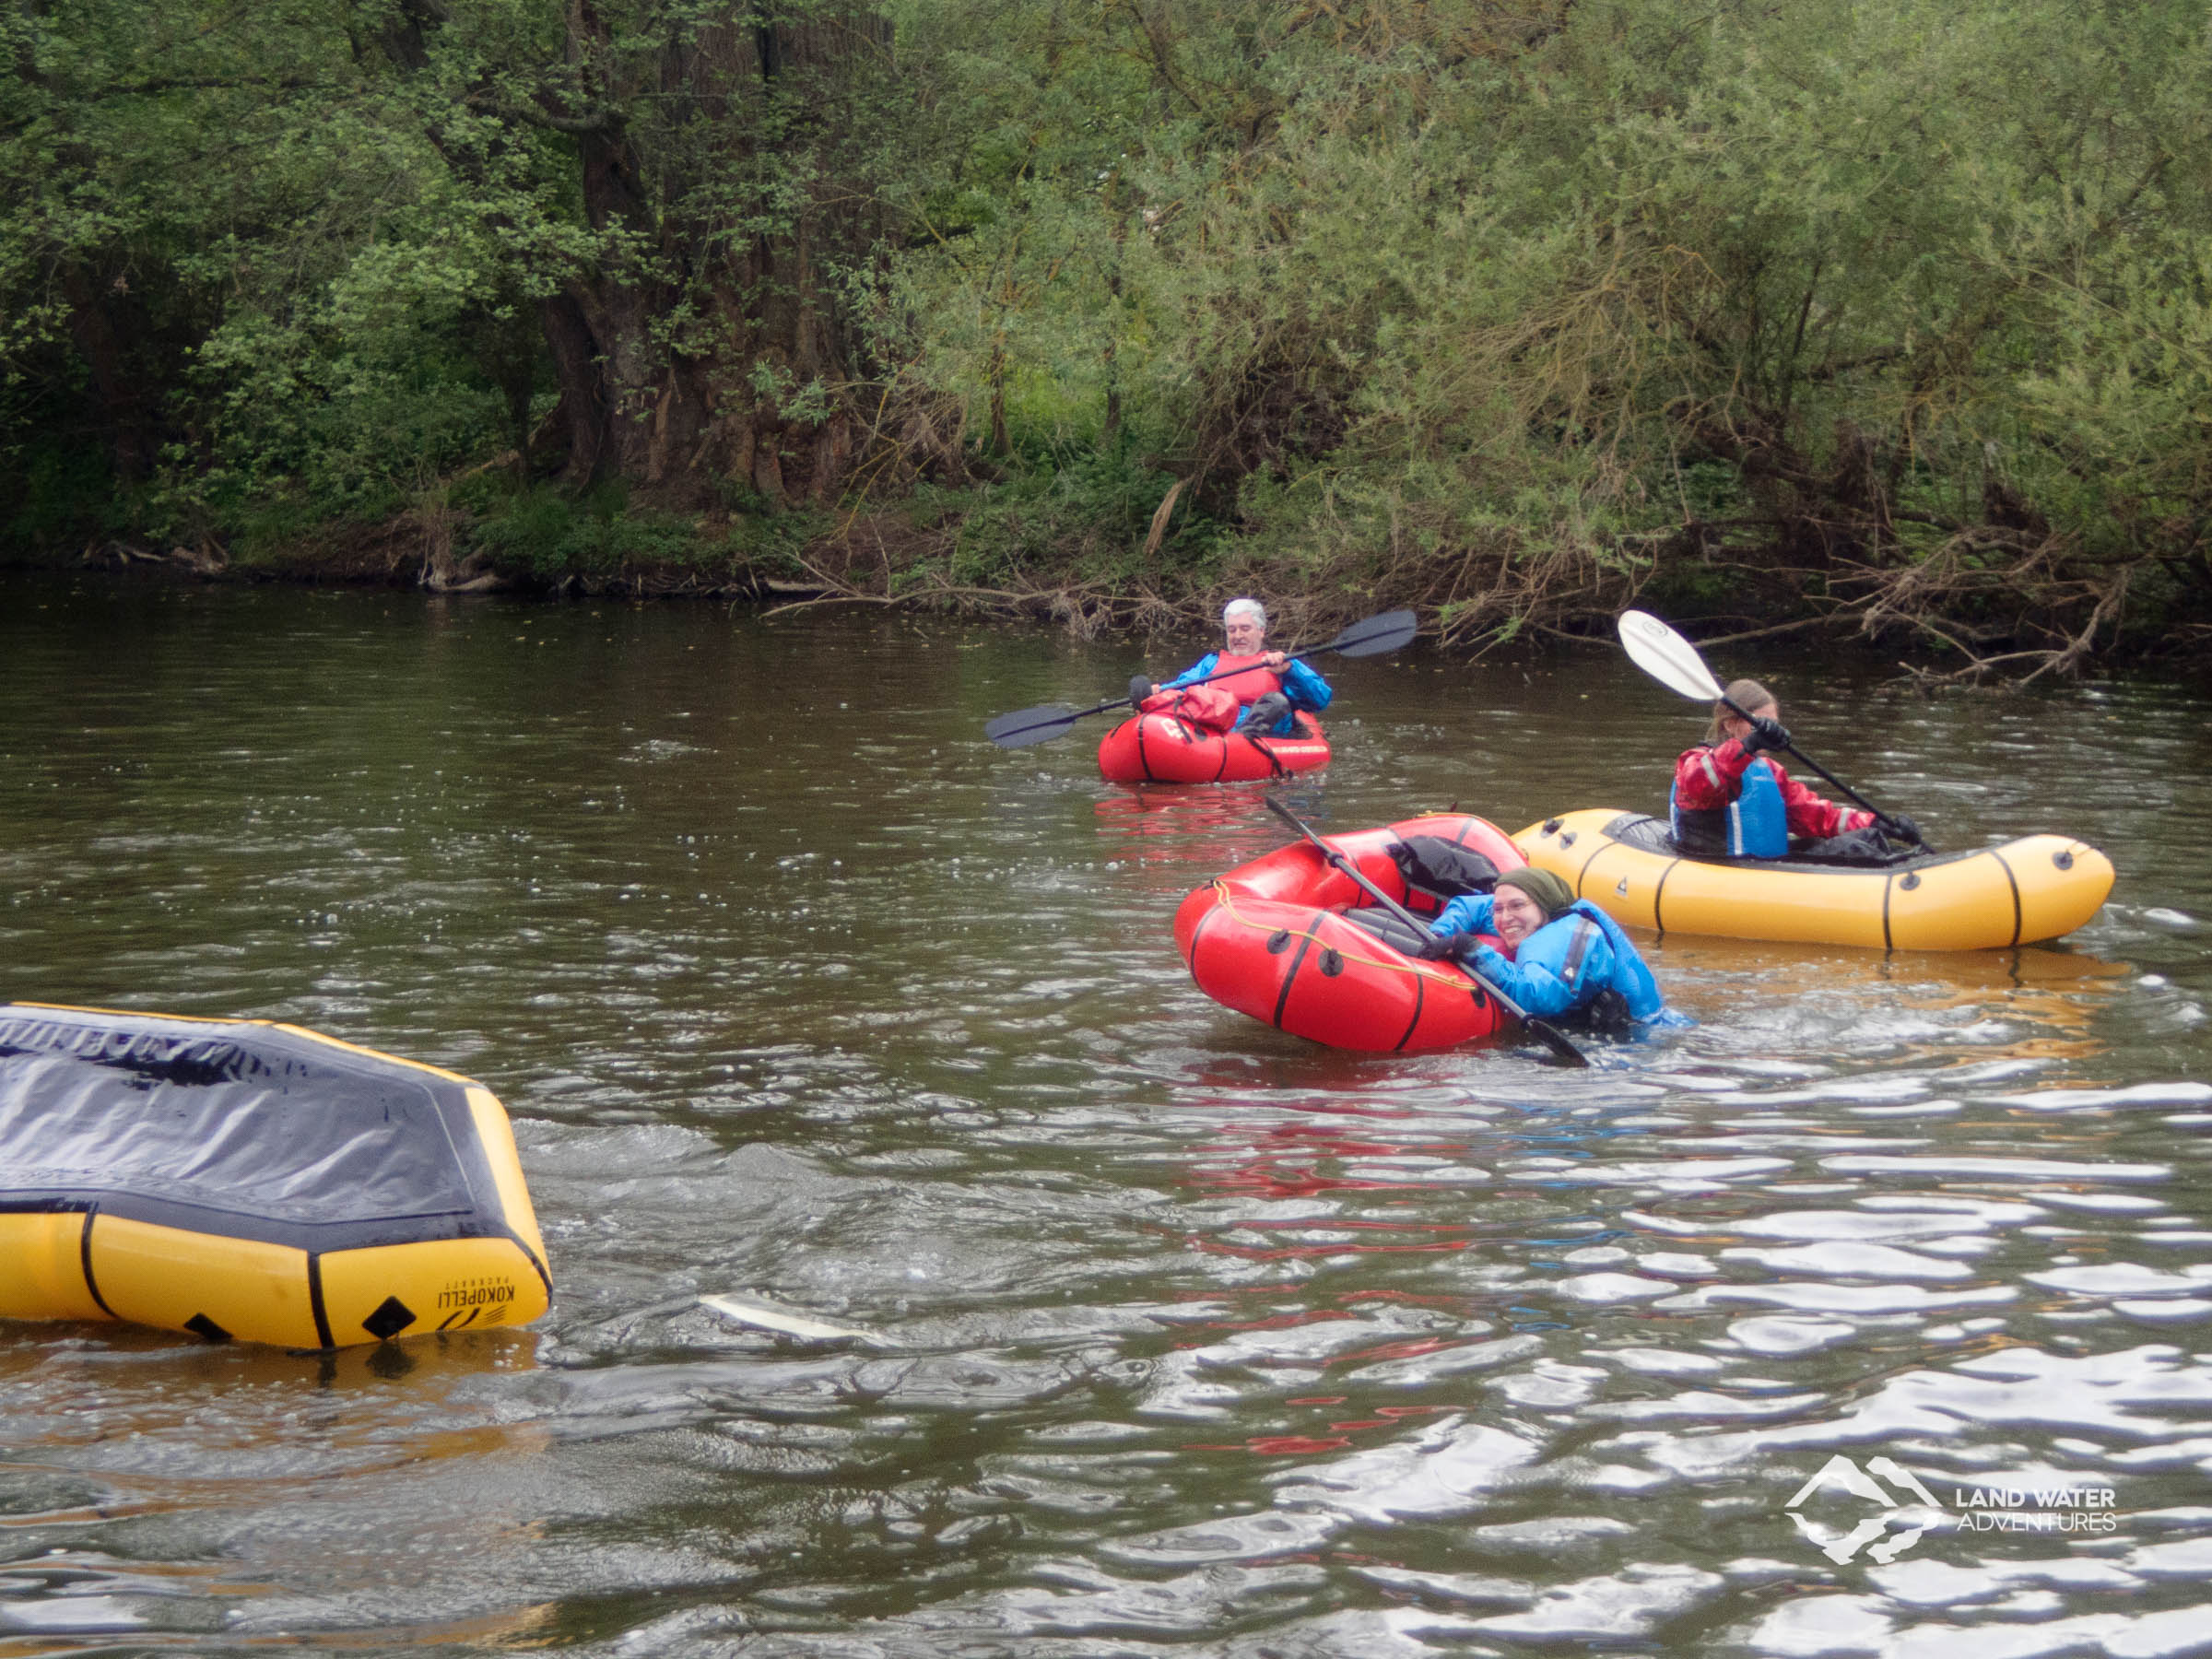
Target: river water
<point>1189,1335</point>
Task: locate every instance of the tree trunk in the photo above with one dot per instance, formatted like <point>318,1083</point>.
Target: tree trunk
<point>121,408</point>
<point>681,352</point>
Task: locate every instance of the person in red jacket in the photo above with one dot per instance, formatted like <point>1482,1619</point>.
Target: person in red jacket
<point>1731,797</point>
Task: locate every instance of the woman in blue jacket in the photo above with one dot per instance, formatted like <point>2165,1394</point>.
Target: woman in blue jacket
<point>1563,956</point>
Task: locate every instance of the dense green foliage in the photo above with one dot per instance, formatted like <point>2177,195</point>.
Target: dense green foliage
<point>1892,314</point>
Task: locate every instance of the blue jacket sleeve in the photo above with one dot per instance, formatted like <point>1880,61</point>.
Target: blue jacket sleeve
<point>1468,914</point>
<point>1197,671</point>
<point>1305,689</point>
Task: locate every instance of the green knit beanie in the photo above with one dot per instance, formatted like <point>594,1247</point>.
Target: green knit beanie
<point>1549,892</point>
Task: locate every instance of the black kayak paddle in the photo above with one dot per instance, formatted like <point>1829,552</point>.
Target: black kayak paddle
<point>1542,1030</point>
<point>1392,631</point>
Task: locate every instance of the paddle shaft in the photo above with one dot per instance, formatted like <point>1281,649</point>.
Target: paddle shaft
<point>1025,727</point>
<point>1072,716</point>
<point>1549,1034</point>
<point>1225,673</point>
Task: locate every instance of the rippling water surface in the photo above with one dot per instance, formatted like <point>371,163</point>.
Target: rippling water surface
<point>1190,1335</point>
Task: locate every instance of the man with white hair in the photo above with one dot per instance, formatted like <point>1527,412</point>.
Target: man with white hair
<point>1271,689</point>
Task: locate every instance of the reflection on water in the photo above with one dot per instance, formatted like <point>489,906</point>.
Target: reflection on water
<point>1196,1336</point>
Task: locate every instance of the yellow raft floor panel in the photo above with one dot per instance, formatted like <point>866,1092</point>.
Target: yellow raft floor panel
<point>2034,888</point>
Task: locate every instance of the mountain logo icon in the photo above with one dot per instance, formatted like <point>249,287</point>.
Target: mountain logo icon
<point>1839,1473</point>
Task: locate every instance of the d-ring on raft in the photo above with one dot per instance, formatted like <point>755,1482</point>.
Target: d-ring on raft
<point>241,1179</point>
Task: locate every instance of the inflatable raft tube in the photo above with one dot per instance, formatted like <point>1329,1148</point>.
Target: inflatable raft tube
<point>1272,938</point>
<point>241,1179</point>
<point>2023,892</point>
<point>1158,748</point>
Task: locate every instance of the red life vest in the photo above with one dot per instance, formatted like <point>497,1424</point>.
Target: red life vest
<point>1243,677</point>
<point>1209,707</point>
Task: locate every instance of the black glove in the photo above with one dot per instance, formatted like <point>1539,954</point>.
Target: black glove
<point>1140,688</point>
<point>1767,734</point>
<point>1454,946</point>
<point>1900,827</point>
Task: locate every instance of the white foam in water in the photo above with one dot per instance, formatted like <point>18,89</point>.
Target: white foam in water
<point>2175,919</point>
<point>2016,1169</point>
<point>2142,1094</point>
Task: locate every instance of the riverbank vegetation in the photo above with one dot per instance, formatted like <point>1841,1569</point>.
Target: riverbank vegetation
<point>1887,319</point>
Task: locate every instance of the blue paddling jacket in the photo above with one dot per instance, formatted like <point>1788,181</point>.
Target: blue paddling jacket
<point>1307,691</point>
<point>1566,964</point>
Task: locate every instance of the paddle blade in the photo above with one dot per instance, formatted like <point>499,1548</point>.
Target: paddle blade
<point>1025,726</point>
<point>1557,1041</point>
<point>767,1316</point>
<point>1666,656</point>
<point>1393,631</point>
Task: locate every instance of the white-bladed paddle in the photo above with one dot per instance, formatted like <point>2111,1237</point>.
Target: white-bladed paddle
<point>1674,662</point>
<point>1392,631</point>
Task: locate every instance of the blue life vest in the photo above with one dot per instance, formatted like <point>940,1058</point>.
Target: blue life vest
<point>1565,952</point>
<point>1758,820</point>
